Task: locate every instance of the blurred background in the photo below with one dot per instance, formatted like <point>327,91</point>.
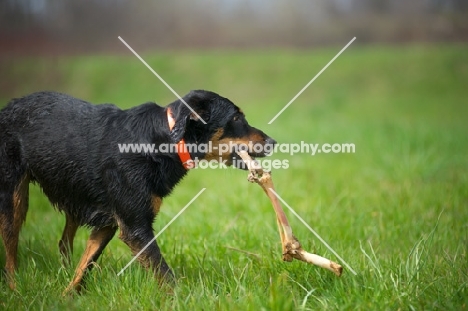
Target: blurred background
<point>54,27</point>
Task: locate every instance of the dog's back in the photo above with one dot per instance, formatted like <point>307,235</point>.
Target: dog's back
<point>45,124</point>
<point>48,137</point>
<point>70,147</point>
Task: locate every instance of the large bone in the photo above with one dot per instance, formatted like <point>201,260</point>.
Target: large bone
<point>292,248</point>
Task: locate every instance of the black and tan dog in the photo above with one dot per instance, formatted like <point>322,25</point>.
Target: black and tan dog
<point>70,148</point>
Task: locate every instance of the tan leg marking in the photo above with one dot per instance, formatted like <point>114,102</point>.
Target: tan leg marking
<point>68,235</point>
<point>97,241</point>
<point>10,229</point>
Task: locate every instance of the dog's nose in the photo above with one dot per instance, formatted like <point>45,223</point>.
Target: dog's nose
<point>270,141</point>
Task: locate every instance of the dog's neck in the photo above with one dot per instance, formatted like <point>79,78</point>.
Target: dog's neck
<point>182,150</point>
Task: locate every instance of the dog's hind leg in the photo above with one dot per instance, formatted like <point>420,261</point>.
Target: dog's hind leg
<point>68,235</point>
<point>97,241</point>
<point>13,209</point>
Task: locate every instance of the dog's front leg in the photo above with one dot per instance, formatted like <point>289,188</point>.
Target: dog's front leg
<point>139,238</point>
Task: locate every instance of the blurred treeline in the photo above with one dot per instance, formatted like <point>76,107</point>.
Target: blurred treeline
<point>48,26</point>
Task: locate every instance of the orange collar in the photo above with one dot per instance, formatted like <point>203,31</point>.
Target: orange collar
<point>182,151</point>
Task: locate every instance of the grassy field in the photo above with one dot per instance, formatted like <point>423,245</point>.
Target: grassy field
<point>396,210</point>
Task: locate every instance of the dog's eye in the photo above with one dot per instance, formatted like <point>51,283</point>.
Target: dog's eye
<point>236,118</point>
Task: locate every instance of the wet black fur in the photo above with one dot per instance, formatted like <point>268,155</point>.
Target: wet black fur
<point>70,148</point>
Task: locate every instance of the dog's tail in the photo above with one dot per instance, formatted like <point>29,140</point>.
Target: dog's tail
<point>12,166</point>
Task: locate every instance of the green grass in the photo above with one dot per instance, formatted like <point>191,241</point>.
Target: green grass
<point>396,210</point>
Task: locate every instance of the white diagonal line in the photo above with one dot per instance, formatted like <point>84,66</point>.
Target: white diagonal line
<point>313,231</point>
<point>310,82</point>
<point>160,232</point>
<point>161,79</point>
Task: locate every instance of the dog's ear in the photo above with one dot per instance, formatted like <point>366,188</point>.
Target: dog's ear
<point>185,117</point>
<point>181,116</point>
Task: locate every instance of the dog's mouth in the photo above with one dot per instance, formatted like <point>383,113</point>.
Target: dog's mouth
<point>256,149</point>
<point>237,161</point>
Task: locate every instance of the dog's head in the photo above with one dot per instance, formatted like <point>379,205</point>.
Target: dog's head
<point>226,129</point>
